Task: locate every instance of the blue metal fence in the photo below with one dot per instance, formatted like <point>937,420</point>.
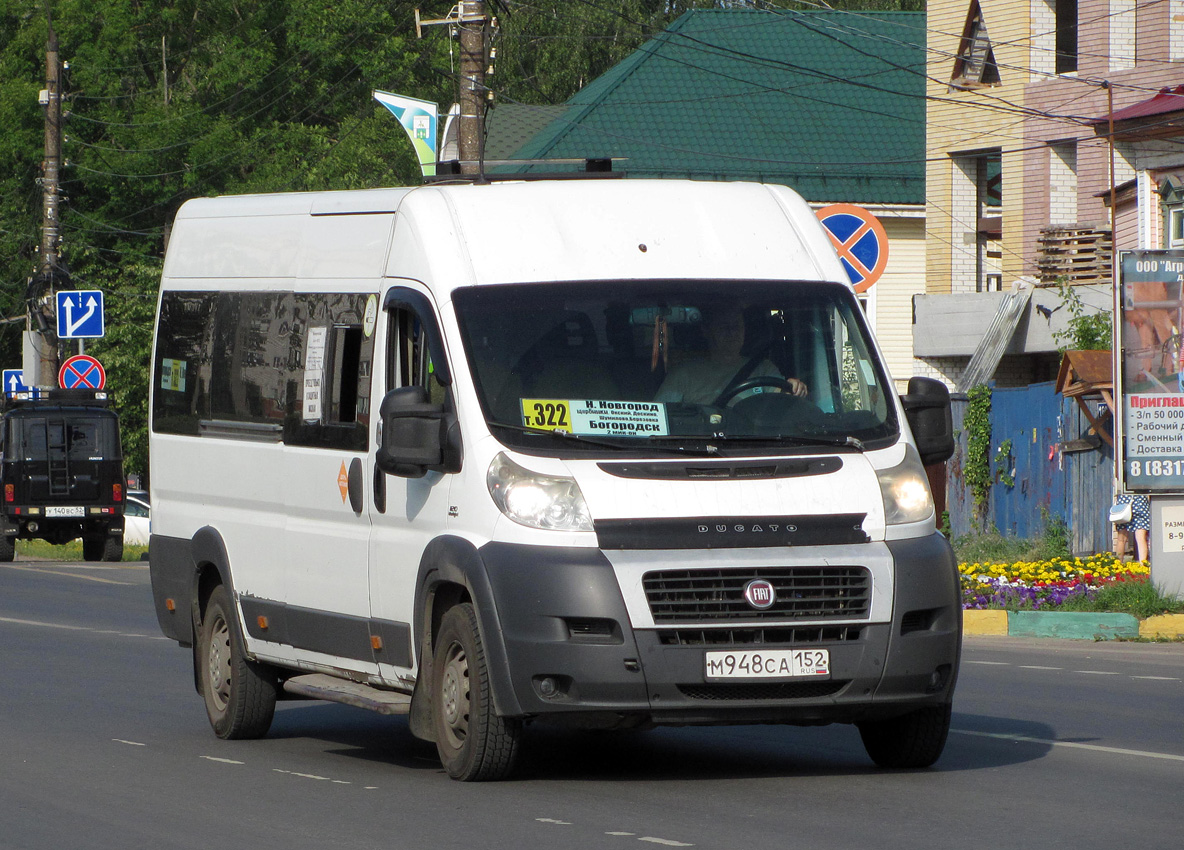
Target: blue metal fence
<point>1048,470</point>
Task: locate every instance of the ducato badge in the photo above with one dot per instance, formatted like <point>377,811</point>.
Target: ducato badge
<point>760,594</point>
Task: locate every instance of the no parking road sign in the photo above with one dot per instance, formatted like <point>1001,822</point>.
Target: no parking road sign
<point>82,372</point>
<point>860,241</point>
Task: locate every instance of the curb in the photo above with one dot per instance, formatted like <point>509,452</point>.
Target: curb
<point>1072,625</point>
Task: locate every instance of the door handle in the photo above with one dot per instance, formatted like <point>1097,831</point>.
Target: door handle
<point>354,485</point>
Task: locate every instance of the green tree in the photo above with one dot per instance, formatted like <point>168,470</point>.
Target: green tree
<point>181,98</point>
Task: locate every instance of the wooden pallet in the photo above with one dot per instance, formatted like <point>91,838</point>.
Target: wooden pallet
<point>1075,254</point>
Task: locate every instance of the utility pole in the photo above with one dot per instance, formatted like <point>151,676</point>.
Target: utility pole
<point>469,17</point>
<point>471,130</point>
<point>41,334</point>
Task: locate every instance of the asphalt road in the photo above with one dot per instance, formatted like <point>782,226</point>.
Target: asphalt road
<point>104,744</point>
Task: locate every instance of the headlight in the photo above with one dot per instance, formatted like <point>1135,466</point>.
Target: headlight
<point>906,491</point>
<point>538,501</point>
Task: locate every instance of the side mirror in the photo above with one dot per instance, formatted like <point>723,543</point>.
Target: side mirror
<point>417,435</point>
<point>927,407</point>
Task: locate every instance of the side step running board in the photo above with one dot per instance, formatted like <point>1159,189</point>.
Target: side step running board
<point>322,686</point>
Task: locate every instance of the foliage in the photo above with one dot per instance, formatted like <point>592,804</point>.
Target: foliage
<point>977,469</point>
<point>1138,598</point>
<point>1099,583</point>
<point>178,99</point>
<point>1088,330</point>
<point>994,548</point>
<point>39,550</point>
<point>1004,466</point>
<point>1046,583</point>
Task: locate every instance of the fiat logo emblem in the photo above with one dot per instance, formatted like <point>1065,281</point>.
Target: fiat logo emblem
<point>760,594</point>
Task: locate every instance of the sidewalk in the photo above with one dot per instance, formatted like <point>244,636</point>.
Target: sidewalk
<point>1071,624</point>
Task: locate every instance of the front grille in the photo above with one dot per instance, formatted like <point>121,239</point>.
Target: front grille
<point>788,635</point>
<point>718,595</point>
<point>763,690</point>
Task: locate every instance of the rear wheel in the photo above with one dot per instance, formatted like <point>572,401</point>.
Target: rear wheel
<point>112,549</point>
<point>912,740</point>
<point>7,547</point>
<point>239,694</point>
<point>474,743</point>
<point>92,548</point>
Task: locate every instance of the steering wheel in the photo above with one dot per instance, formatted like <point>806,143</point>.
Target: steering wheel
<point>752,383</point>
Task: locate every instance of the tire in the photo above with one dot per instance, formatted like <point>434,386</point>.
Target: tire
<point>92,548</point>
<point>112,549</point>
<point>474,743</point>
<point>912,740</point>
<point>7,548</point>
<point>239,694</point>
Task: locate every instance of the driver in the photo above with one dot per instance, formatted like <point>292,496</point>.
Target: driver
<point>701,380</point>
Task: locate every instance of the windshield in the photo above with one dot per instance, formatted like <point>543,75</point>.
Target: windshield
<point>694,363</point>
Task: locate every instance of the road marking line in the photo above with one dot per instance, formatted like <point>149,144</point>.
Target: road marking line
<point>302,775</point>
<point>552,820</point>
<point>1097,672</point>
<point>18,622</point>
<point>129,743</point>
<point>67,575</point>
<point>1003,736</point>
<point>1038,667</point>
<point>992,663</point>
<point>621,833</point>
<point>47,625</point>
<point>222,761</point>
<point>1159,678</point>
<point>666,841</point>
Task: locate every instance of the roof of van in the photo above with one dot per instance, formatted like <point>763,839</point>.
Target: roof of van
<point>507,232</point>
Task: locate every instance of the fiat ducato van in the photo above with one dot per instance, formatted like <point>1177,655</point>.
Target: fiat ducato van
<point>602,453</point>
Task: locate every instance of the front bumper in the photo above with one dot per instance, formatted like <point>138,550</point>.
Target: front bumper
<point>573,655</point>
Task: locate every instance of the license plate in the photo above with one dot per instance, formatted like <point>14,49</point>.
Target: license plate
<point>768,664</point>
<point>62,511</point>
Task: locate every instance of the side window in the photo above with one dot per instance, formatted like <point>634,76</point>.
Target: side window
<point>180,398</point>
<point>333,388</point>
<point>410,362</point>
<point>266,365</point>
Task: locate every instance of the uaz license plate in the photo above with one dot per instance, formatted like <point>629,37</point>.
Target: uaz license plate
<point>62,511</point>
<point>768,664</point>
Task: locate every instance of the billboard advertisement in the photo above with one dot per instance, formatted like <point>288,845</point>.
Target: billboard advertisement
<point>1150,371</point>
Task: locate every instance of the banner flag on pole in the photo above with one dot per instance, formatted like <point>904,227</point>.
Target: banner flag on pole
<point>419,119</point>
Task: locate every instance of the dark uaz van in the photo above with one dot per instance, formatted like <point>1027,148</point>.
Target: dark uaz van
<point>62,472</point>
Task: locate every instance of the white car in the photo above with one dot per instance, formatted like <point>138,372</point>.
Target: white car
<point>136,520</point>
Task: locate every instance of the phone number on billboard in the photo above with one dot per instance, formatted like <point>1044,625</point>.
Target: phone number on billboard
<point>1155,468</point>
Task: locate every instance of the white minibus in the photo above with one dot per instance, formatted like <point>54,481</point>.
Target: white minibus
<point>596,452</point>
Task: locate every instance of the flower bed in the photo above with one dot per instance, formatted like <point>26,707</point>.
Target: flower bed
<point>1044,585</point>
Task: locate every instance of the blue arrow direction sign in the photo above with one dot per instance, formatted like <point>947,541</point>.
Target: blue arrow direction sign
<point>80,314</point>
<point>14,381</point>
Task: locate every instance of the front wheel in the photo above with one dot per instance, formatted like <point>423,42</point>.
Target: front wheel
<point>474,743</point>
<point>912,740</point>
<point>239,695</point>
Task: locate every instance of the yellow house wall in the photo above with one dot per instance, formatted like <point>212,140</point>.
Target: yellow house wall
<point>968,121</point>
<point>903,278</point>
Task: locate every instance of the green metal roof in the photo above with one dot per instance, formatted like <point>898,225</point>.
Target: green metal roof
<point>828,102</point>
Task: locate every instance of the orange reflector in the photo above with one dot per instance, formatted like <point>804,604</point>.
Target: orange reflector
<point>375,642</point>
<point>262,622</point>
<point>170,605</point>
